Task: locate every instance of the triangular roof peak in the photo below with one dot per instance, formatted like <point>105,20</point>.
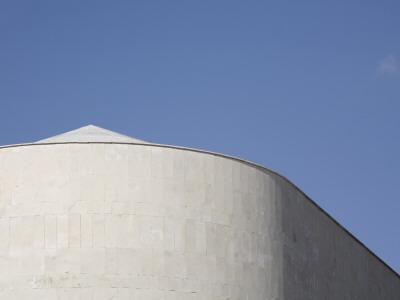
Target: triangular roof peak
<point>91,133</point>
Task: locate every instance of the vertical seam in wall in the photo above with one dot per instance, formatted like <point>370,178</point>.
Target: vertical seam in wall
<point>56,231</point>
<point>80,231</point>
<point>151,198</point>
<point>9,232</point>
<point>104,200</point>
<point>91,223</point>
<point>44,233</point>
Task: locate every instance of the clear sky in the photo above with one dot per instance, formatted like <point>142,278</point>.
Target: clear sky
<point>310,89</point>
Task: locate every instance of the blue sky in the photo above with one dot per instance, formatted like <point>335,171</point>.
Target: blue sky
<point>310,89</point>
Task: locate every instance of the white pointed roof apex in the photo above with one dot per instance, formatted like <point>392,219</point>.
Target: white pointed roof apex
<point>91,133</point>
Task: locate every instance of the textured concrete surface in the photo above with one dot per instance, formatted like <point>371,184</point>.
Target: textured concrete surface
<point>128,221</point>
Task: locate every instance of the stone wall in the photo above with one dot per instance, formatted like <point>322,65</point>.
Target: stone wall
<point>321,260</point>
<point>117,221</point>
<point>109,221</point>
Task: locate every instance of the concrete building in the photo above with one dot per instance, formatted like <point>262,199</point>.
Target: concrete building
<point>92,214</point>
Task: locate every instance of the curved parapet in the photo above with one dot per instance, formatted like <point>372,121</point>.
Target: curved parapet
<point>111,220</point>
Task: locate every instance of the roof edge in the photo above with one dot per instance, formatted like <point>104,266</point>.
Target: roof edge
<point>90,133</point>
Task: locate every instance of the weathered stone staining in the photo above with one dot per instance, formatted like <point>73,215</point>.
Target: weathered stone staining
<point>92,214</point>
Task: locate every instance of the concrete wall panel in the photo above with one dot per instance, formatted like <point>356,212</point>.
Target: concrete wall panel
<point>119,221</point>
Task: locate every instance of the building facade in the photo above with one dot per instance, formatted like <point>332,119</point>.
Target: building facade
<point>92,214</point>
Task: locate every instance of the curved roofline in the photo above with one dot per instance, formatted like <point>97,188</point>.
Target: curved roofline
<point>220,155</point>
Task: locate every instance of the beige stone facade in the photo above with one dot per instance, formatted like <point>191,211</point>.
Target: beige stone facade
<point>142,221</point>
